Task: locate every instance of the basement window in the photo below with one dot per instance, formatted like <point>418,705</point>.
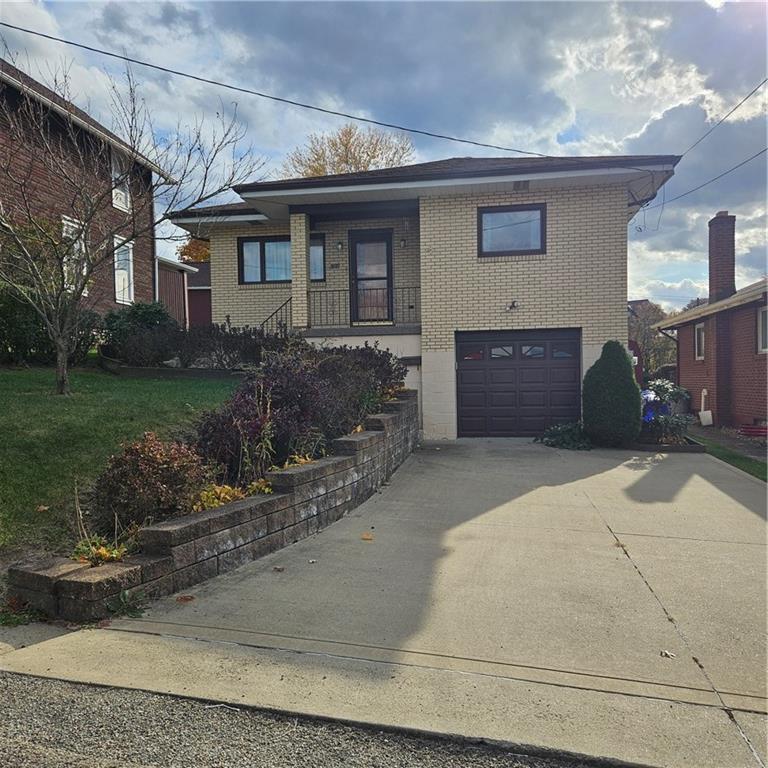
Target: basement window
<point>762,329</point>
<point>698,341</point>
<point>511,230</point>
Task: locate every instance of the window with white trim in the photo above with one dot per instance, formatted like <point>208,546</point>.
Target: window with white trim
<point>698,341</point>
<point>123,272</point>
<point>121,189</point>
<point>74,239</point>
<point>762,329</point>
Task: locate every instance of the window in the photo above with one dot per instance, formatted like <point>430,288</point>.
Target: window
<point>564,350</point>
<point>505,353</point>
<point>72,232</point>
<point>317,257</point>
<point>123,272</point>
<point>698,341</point>
<point>472,352</point>
<point>511,230</point>
<point>121,189</point>
<point>532,351</point>
<point>762,329</point>
<point>264,259</point>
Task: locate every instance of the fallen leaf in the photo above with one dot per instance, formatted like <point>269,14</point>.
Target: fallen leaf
<point>278,568</point>
<point>367,537</point>
<point>667,654</point>
<point>42,508</point>
<point>313,561</point>
<point>185,598</point>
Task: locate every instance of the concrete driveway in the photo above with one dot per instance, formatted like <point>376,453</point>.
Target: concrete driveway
<point>600,603</point>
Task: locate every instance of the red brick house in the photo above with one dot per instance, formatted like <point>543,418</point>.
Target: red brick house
<point>32,185</point>
<point>722,345</point>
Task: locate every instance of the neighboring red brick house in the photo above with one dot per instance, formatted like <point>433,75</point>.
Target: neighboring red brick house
<point>131,275</point>
<point>722,345</point>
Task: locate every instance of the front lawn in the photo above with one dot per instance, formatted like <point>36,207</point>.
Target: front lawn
<point>749,464</point>
<point>48,442</point>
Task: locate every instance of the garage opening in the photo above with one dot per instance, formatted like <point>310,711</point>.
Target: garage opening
<point>517,383</point>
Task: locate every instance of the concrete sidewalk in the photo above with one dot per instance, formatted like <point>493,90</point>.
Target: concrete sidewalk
<point>597,603</point>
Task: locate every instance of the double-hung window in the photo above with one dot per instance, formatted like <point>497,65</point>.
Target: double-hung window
<point>698,341</point>
<point>121,188</point>
<point>762,329</point>
<point>268,259</point>
<point>512,230</point>
<point>264,259</point>
<point>74,255</point>
<point>123,271</point>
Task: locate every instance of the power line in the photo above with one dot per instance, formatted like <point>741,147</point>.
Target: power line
<point>710,181</point>
<point>725,117</point>
<point>300,104</point>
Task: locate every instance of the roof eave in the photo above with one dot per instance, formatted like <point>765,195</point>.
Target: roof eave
<point>121,146</point>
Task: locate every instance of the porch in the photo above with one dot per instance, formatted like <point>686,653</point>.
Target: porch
<point>353,271</point>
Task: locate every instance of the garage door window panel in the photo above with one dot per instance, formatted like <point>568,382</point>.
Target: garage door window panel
<point>532,352</point>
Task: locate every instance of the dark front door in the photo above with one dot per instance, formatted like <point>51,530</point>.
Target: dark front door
<point>517,383</point>
<point>371,275</point>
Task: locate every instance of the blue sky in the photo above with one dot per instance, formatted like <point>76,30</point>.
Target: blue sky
<point>558,78</point>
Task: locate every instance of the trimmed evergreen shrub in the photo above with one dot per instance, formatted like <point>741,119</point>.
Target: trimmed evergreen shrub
<point>123,326</point>
<point>612,405</point>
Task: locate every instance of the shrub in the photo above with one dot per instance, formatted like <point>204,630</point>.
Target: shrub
<point>611,398</point>
<point>238,436</point>
<point>147,320</point>
<point>24,339</point>
<point>568,436</point>
<point>660,424</point>
<point>149,480</point>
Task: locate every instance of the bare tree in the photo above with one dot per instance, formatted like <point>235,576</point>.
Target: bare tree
<point>110,192</point>
<point>657,349</point>
<point>348,149</point>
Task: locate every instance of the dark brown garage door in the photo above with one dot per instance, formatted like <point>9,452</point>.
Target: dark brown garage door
<point>517,383</point>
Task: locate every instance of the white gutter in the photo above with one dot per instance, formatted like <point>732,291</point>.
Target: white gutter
<point>225,219</point>
<point>121,146</point>
<point>450,182</point>
<point>176,264</point>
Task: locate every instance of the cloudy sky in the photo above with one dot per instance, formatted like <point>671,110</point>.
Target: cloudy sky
<point>557,78</point>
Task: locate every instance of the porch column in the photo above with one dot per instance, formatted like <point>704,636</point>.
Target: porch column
<point>300,270</point>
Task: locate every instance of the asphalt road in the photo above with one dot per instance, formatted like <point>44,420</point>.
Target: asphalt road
<point>51,724</point>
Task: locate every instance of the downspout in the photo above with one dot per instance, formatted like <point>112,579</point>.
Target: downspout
<point>156,267</point>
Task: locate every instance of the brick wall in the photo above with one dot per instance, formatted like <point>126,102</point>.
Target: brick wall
<point>580,282</point>
<point>50,200</point>
<point>185,551</point>
<point>737,387</point>
<point>250,304</point>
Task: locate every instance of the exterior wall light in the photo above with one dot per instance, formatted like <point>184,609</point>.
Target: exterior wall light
<point>339,246</point>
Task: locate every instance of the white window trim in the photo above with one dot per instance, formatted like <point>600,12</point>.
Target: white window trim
<point>121,188</point>
<point>120,243</point>
<point>697,353</point>
<point>762,342</point>
<point>68,224</point>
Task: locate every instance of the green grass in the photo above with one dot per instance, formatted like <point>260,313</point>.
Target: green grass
<point>49,442</point>
<point>752,466</point>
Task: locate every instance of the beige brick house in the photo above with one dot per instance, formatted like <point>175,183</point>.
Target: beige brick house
<point>498,280</point>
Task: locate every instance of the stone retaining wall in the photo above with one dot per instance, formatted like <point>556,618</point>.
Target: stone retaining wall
<point>179,553</point>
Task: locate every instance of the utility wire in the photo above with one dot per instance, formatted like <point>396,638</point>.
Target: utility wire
<point>709,181</point>
<point>725,117</point>
<point>302,105</point>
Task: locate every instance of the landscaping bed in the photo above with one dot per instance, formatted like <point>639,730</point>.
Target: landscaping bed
<point>186,550</point>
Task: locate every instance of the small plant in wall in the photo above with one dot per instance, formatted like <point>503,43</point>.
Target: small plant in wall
<point>91,549</point>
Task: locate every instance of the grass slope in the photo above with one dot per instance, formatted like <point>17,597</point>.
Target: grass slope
<point>752,466</point>
<point>47,442</point>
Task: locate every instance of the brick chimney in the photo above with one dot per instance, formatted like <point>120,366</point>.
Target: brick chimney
<point>722,256</point>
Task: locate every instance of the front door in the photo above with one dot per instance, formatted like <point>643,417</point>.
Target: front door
<point>371,275</point>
